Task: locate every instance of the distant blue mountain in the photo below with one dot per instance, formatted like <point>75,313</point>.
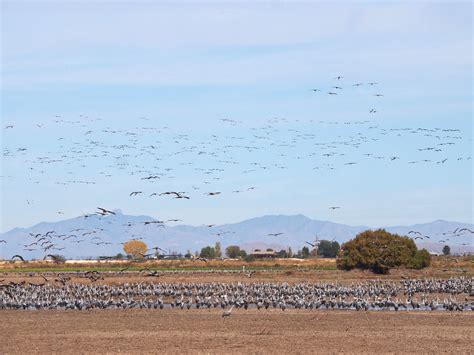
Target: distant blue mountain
<point>102,235</point>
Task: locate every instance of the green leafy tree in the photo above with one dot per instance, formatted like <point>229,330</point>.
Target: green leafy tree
<point>379,251</point>
<point>305,252</point>
<point>446,250</point>
<point>290,252</point>
<point>217,249</point>
<point>233,251</point>
<point>328,249</point>
<point>282,254</point>
<point>208,252</point>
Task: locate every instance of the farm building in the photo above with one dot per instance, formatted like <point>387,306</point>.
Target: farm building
<point>263,254</point>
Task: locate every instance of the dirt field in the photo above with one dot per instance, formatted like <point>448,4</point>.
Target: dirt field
<point>245,331</point>
<point>291,331</point>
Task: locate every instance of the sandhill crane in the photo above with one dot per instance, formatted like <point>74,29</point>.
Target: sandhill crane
<point>104,211</point>
<point>227,312</point>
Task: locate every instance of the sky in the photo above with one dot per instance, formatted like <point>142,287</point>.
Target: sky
<point>165,74</point>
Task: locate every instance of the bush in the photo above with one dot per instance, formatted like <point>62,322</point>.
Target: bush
<point>249,258</point>
<point>379,251</point>
<point>421,260</point>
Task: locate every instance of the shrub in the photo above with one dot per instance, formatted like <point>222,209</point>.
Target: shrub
<point>379,251</point>
<point>421,260</point>
<point>249,258</point>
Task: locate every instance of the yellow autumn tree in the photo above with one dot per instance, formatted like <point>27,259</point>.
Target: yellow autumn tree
<point>135,248</point>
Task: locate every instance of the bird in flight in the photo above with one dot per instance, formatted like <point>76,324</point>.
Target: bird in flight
<point>334,207</point>
<point>134,193</point>
<point>153,222</point>
<point>177,194</point>
<point>274,234</point>
<point>104,211</point>
<point>213,193</point>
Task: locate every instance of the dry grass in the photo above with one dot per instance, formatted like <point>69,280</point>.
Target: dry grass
<point>178,264</point>
<point>288,270</point>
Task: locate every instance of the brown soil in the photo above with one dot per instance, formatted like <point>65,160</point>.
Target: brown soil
<point>251,331</point>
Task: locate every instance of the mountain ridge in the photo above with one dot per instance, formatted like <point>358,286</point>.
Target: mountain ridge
<point>96,235</point>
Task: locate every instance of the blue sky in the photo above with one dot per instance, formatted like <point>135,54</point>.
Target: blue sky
<point>185,66</point>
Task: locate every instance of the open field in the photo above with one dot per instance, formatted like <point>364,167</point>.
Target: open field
<point>276,269</point>
<point>204,331</point>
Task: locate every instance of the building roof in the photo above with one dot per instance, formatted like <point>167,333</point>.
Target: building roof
<point>263,252</point>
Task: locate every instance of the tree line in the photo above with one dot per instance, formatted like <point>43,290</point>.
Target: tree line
<point>375,250</point>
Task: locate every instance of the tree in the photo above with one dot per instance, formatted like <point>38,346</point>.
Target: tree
<point>379,251</point>
<point>208,252</point>
<point>290,252</point>
<point>446,250</point>
<point>135,248</point>
<point>282,254</point>
<point>328,249</point>
<point>305,252</point>
<point>217,249</point>
<point>233,251</point>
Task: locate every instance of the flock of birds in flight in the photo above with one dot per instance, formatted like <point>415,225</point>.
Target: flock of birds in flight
<point>153,156</point>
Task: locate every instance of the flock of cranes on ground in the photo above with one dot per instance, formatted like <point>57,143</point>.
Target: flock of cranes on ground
<point>426,294</point>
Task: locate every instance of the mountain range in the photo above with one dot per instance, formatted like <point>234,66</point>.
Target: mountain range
<point>96,235</point>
